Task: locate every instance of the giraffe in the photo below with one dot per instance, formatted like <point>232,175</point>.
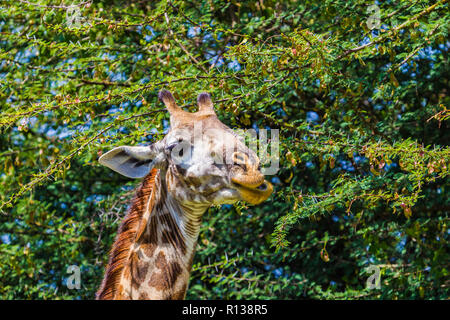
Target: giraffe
<point>199,163</point>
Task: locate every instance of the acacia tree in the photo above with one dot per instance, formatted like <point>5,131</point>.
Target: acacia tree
<point>358,90</point>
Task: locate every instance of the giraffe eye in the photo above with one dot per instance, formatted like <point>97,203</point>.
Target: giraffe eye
<point>179,151</point>
<point>175,143</point>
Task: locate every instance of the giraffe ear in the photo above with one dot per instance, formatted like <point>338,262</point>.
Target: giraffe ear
<point>205,104</point>
<point>132,162</point>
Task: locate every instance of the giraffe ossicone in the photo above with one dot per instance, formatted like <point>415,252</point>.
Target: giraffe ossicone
<point>200,162</point>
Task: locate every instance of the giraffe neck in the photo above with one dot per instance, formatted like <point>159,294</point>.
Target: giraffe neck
<point>156,261</point>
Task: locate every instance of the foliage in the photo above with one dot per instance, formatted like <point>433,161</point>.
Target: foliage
<point>362,115</point>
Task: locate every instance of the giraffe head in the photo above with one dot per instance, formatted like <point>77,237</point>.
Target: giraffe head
<point>204,161</point>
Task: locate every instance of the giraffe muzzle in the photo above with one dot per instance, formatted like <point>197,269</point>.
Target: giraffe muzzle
<point>249,181</point>
<point>254,194</point>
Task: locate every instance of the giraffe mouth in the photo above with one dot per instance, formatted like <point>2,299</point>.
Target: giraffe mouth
<point>254,194</point>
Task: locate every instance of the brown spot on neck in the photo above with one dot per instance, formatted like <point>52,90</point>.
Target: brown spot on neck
<point>148,248</point>
<point>161,262</point>
<point>138,269</point>
<point>167,276</point>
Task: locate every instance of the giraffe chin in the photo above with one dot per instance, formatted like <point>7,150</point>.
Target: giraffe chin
<point>255,195</point>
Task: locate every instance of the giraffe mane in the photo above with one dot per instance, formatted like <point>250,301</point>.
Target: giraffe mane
<point>129,231</point>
